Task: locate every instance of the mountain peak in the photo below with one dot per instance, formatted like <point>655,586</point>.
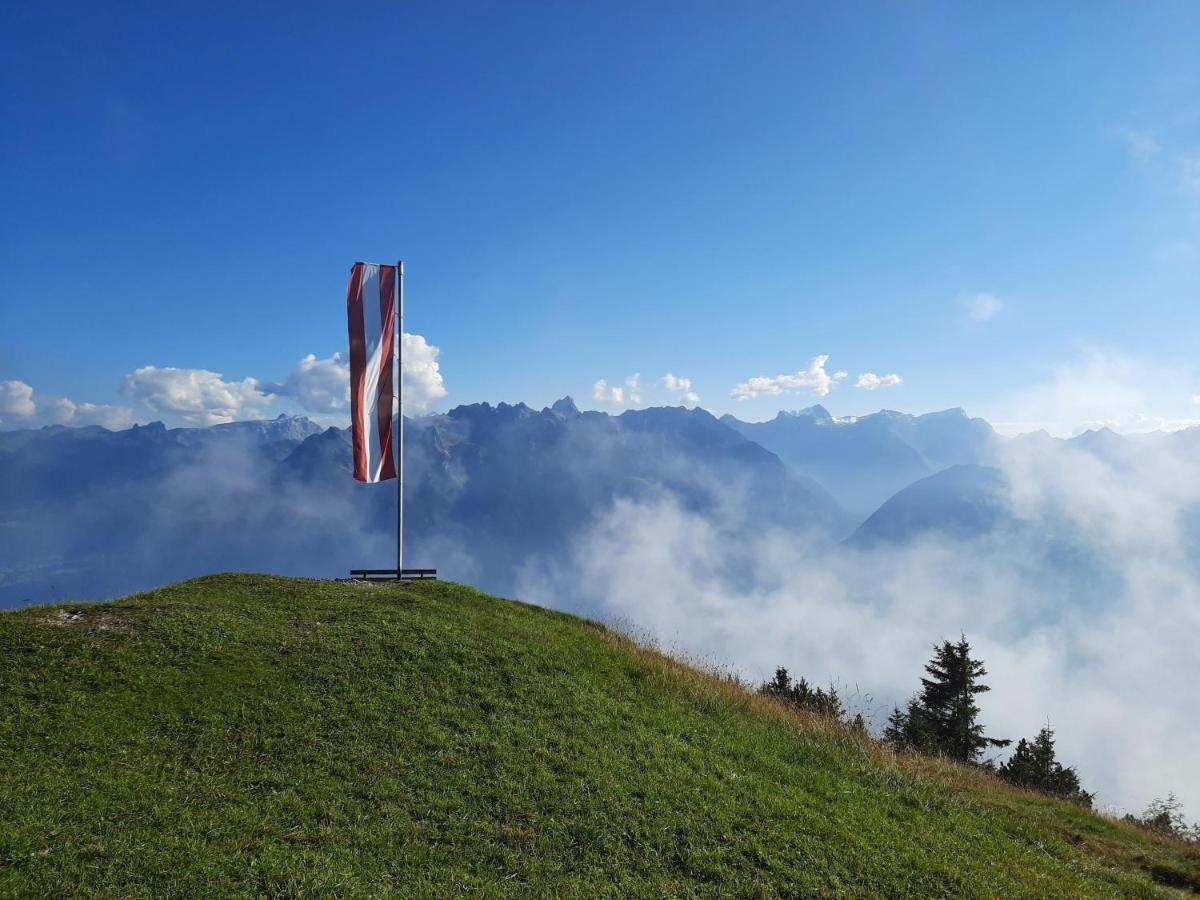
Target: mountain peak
<point>565,407</point>
<point>816,412</point>
<point>955,412</point>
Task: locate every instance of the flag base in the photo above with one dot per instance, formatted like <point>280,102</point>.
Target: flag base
<point>393,574</point>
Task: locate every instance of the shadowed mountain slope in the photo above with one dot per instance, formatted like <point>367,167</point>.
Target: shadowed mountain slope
<point>959,502</point>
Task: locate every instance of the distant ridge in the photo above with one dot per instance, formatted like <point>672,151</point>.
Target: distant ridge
<point>865,460</point>
<point>960,502</point>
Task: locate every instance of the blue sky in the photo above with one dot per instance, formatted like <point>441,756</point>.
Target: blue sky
<point>1000,206</point>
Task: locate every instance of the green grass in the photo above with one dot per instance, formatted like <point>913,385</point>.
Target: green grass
<point>257,736</point>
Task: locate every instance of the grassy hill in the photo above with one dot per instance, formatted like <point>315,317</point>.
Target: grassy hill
<point>253,735</point>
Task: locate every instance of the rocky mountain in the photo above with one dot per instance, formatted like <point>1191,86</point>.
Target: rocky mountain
<point>863,461</point>
<point>493,493</point>
<point>489,490</point>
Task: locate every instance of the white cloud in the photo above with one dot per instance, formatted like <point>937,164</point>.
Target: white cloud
<point>981,307</point>
<point>68,412</point>
<point>195,396</point>
<point>814,379</point>
<point>1101,389</point>
<point>677,384</point>
<point>16,399</point>
<point>22,409</point>
<point>319,385</point>
<point>602,393</point>
<point>632,383</point>
<point>869,381</point>
<point>322,386</point>
<point>615,395</point>
<point>423,384</point>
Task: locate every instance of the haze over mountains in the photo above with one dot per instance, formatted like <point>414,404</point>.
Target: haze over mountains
<point>838,547</point>
<point>89,512</point>
<point>865,460</point>
<point>490,490</point>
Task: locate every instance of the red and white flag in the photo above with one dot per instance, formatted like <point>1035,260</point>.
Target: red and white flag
<point>371,307</point>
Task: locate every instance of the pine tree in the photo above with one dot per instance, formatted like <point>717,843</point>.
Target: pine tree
<point>947,702</point>
<point>802,695</point>
<point>779,686</point>
<point>1036,766</point>
<point>908,728</point>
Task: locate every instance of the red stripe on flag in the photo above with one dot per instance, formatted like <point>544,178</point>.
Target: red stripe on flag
<point>387,319</point>
<point>358,366</point>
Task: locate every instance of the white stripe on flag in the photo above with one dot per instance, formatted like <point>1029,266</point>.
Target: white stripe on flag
<point>371,324</point>
<point>372,329</point>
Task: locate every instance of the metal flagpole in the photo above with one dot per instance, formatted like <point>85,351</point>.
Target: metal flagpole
<point>400,404</point>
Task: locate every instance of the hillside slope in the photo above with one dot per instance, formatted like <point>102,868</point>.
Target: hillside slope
<point>254,735</point>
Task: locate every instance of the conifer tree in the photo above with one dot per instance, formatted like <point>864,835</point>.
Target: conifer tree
<point>802,695</point>
<point>908,728</point>
<point>1035,765</point>
<point>779,686</point>
<point>947,702</point>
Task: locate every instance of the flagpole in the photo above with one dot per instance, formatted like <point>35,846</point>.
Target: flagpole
<point>400,403</point>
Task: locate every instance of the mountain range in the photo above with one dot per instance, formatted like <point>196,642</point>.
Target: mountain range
<point>490,490</point>
<point>865,460</point>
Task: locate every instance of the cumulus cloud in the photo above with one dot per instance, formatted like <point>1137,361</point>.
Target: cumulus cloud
<point>675,383</point>
<point>322,386</point>
<point>20,408</point>
<point>982,307</point>
<point>318,385</point>
<point>869,381</point>
<point>814,379</point>
<point>423,384</point>
<point>671,388</point>
<point>602,393</point>
<point>681,386</point>
<point>631,382</point>
<point>16,399</point>
<point>68,412</point>
<point>616,395</point>
<point>195,396</point>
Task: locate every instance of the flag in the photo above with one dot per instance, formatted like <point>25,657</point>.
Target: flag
<point>371,308</point>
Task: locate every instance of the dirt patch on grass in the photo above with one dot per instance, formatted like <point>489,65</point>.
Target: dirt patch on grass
<point>362,583</point>
<point>121,620</point>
